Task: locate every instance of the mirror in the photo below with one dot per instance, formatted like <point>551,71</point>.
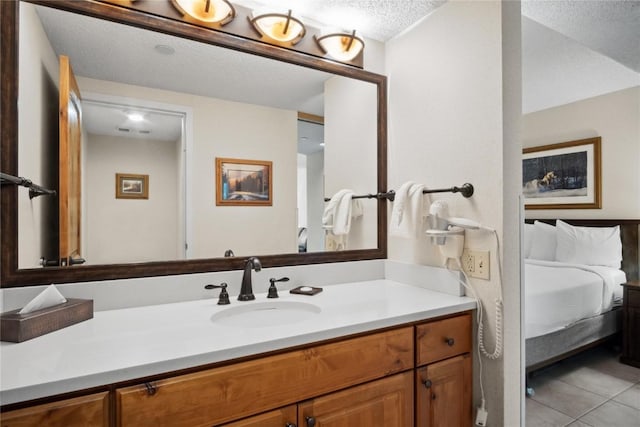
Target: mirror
<point>252,116</point>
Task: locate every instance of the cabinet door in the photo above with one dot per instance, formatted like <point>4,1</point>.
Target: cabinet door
<point>384,403</point>
<point>283,417</point>
<point>85,411</point>
<point>443,393</point>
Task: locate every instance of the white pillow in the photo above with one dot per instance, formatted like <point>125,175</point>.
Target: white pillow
<point>543,243</point>
<point>528,239</point>
<point>589,245</point>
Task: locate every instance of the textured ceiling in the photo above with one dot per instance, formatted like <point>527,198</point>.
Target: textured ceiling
<point>611,28</point>
<point>375,19</point>
<point>574,50</point>
<point>557,70</point>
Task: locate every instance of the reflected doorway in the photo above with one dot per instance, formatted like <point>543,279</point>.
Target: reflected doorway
<point>134,140</point>
<point>310,183</point>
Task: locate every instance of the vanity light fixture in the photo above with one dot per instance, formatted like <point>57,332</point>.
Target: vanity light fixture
<point>341,46</point>
<point>278,28</point>
<point>219,12</point>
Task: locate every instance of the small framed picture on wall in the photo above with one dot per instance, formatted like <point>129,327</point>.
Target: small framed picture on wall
<point>132,186</point>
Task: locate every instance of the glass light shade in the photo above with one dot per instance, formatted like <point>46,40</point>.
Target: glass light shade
<point>209,11</point>
<point>279,28</point>
<point>341,46</point>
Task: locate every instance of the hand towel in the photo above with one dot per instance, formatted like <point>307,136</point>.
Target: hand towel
<point>408,211</point>
<point>337,214</point>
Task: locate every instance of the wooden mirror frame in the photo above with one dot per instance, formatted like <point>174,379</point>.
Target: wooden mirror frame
<point>12,276</point>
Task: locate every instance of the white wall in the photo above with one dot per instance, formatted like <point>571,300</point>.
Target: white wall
<point>350,135</point>
<point>220,130</point>
<point>38,122</point>
<point>445,128</point>
<point>131,230</point>
<point>302,190</point>
<point>615,117</point>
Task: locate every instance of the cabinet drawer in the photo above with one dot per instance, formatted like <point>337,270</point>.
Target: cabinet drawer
<point>443,338</point>
<point>236,391</point>
<point>278,418</point>
<point>633,297</point>
<point>84,411</point>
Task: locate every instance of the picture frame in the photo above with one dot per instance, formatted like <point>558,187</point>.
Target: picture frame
<point>242,182</point>
<point>132,186</point>
<point>566,175</point>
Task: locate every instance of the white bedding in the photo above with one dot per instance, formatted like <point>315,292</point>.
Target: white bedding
<point>559,294</point>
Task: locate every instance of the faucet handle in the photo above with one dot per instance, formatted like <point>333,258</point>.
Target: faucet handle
<point>273,291</point>
<point>223,299</point>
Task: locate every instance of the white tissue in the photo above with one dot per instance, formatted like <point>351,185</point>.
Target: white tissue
<point>47,298</point>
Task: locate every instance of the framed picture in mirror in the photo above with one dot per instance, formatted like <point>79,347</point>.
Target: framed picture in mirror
<point>132,186</point>
<point>242,182</point>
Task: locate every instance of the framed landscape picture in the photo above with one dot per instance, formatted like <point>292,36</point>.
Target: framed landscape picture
<point>563,176</point>
<point>132,186</point>
<point>243,182</point>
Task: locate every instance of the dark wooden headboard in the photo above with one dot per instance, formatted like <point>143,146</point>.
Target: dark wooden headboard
<point>628,234</point>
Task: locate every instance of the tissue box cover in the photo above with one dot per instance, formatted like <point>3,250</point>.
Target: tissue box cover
<point>16,327</point>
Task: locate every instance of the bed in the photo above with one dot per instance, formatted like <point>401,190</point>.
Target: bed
<point>572,284</point>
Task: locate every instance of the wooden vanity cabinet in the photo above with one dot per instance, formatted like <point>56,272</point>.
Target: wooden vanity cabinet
<point>227,393</point>
<point>85,411</point>
<point>411,375</point>
<point>444,373</point>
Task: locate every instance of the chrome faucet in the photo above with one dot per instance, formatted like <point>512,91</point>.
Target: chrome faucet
<point>246,290</point>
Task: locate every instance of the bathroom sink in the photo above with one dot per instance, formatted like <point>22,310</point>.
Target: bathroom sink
<point>265,314</point>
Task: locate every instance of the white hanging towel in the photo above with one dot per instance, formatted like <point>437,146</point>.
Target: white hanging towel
<point>336,220</point>
<point>408,211</point>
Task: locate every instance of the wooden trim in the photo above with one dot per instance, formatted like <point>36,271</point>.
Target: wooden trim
<point>11,276</point>
<point>597,159</point>
<point>311,118</point>
<point>9,136</point>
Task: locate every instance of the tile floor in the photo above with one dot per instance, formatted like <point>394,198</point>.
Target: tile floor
<point>591,389</point>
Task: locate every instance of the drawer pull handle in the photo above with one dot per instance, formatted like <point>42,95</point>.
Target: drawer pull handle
<point>427,383</point>
<point>290,425</point>
<point>450,341</point>
<point>151,390</point>
<point>311,422</point>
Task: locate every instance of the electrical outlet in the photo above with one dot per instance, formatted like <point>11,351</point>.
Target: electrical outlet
<point>468,261</point>
<point>476,263</point>
<point>482,265</point>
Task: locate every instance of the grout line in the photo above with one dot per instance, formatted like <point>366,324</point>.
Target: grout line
<point>608,398</point>
<point>591,410</point>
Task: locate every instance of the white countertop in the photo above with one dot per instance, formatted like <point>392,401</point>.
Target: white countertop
<point>125,344</point>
